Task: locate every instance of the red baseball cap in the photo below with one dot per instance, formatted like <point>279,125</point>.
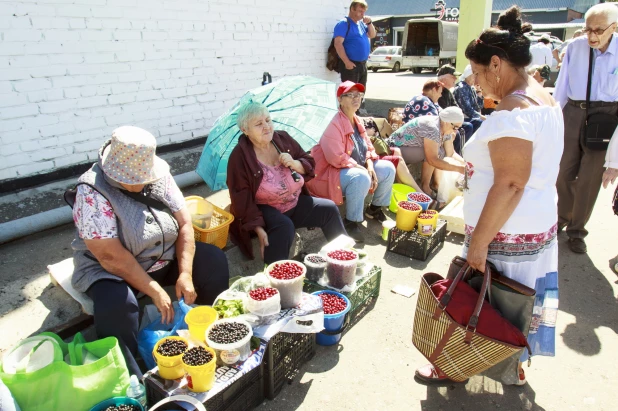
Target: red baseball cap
<point>349,85</point>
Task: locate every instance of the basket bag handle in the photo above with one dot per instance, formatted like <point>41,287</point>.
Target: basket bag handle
<point>176,398</point>
<point>446,298</point>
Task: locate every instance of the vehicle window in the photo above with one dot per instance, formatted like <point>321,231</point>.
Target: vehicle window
<point>380,51</point>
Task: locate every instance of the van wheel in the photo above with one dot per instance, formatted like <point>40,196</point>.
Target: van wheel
<point>417,70</point>
<point>396,67</point>
<point>375,70</point>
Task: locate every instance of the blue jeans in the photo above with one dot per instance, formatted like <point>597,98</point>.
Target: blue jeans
<point>355,184</point>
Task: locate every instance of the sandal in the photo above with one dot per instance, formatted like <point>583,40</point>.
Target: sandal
<point>522,377</point>
<point>428,374</point>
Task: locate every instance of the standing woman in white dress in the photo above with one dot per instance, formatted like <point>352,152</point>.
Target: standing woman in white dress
<point>512,163</point>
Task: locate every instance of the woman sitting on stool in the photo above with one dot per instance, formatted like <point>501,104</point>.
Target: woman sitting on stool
<point>266,174</point>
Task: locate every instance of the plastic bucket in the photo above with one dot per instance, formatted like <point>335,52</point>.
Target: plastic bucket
<point>435,215</point>
<point>424,204</point>
<point>386,227</point>
<point>425,226</point>
<point>341,273</point>
<point>230,354</point>
<point>406,219</point>
<point>315,271</point>
<point>198,319</point>
<point>201,211</point>
<point>202,377</point>
<point>103,405</point>
<point>291,290</point>
<point>170,368</point>
<point>334,324</point>
<point>400,193</point>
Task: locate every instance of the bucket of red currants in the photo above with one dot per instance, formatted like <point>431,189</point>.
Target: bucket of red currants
<point>264,301</point>
<point>336,319</point>
<point>341,268</point>
<point>407,211</point>
<point>287,276</point>
<point>422,199</point>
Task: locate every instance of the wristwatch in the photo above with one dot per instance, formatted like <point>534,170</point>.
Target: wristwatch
<point>370,23</point>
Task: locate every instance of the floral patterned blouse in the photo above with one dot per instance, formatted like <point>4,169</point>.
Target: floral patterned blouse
<point>420,106</point>
<point>95,219</point>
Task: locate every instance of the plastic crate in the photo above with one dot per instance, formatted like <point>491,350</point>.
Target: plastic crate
<point>367,290</point>
<point>413,245</point>
<point>244,394</point>
<point>285,354</point>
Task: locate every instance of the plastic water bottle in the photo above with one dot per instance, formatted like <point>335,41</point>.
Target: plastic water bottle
<point>137,391</point>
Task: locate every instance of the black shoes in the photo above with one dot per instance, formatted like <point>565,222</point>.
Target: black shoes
<point>578,245</point>
<point>353,229</point>
<point>376,213</point>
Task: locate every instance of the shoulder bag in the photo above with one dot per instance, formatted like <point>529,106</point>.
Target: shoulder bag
<point>599,126</point>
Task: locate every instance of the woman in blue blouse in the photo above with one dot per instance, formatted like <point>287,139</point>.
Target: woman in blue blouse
<point>468,100</point>
<point>426,104</point>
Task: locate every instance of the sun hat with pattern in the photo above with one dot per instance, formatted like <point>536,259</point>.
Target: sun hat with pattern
<point>130,157</point>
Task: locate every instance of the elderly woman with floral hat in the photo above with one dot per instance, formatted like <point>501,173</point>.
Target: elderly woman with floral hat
<point>134,234</point>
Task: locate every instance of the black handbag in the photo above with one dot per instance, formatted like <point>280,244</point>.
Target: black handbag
<point>615,204</point>
<point>599,126</point>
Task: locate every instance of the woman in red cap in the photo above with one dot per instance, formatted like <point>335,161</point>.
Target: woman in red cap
<point>346,164</point>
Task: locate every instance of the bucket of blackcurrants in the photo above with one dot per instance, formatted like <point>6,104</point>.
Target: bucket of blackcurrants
<point>316,266</point>
<point>118,404</point>
<point>336,307</point>
<point>341,268</point>
<point>200,363</point>
<point>167,353</point>
<point>287,276</point>
<point>231,340</point>
<point>263,301</point>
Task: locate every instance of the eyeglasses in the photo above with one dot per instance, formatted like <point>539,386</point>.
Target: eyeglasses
<point>598,32</point>
<point>354,95</point>
<point>455,127</point>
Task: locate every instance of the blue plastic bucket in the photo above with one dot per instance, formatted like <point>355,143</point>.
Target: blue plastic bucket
<point>116,401</point>
<point>334,324</point>
<point>424,205</point>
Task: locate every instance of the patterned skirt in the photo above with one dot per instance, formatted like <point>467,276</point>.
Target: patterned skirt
<point>532,260</point>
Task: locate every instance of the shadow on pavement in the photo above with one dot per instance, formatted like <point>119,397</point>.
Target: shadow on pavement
<point>480,394</point>
<point>586,294</point>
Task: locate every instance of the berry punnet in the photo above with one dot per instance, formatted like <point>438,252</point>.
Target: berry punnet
<point>332,303</point>
<point>420,197</point>
<point>172,348</point>
<point>227,332</point>
<point>341,268</point>
<point>286,271</point>
<point>264,293</point>
<point>122,407</point>
<point>197,356</point>
<point>409,205</point>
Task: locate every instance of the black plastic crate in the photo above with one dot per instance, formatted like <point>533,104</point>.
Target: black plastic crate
<point>244,394</point>
<point>285,354</point>
<point>362,298</point>
<point>412,244</point>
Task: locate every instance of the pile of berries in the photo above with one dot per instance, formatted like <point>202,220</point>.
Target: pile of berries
<point>316,259</point>
<point>197,356</point>
<point>227,332</point>
<point>122,407</point>
<point>342,255</point>
<point>419,197</point>
<point>430,212</point>
<point>332,303</point>
<point>172,348</point>
<point>425,216</point>
<point>286,271</point>
<point>264,293</point>
<point>409,205</point>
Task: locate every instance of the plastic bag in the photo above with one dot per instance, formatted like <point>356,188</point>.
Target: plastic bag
<point>149,335</point>
<point>448,187</point>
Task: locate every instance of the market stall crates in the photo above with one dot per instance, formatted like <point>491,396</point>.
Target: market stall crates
<point>413,245</point>
<point>362,298</point>
<point>245,393</point>
<point>285,354</point>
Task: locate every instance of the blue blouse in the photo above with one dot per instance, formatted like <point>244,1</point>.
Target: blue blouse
<point>468,100</point>
<point>419,106</point>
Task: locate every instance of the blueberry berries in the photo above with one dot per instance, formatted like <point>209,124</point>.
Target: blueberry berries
<point>172,347</point>
<point>227,332</point>
<point>197,356</point>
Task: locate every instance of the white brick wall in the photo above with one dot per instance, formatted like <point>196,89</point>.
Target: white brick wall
<point>73,70</point>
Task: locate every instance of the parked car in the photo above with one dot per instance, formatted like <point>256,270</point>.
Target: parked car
<point>386,57</point>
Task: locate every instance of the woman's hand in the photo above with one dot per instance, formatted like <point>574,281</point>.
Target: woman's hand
<point>287,160</point>
<point>185,288</point>
<point>477,256</point>
<point>609,175</point>
<point>263,237</point>
<point>372,175</point>
<point>164,304</point>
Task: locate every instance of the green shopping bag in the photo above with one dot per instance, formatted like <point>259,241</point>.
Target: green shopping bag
<point>78,386</point>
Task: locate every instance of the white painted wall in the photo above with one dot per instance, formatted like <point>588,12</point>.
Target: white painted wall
<point>73,70</point>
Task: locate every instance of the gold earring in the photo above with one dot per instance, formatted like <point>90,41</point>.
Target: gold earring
<point>498,78</point>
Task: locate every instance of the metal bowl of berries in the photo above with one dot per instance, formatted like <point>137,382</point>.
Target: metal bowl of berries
<point>287,276</point>
<point>263,301</point>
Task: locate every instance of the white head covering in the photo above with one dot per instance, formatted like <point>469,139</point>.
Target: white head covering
<point>452,115</point>
<point>466,73</point>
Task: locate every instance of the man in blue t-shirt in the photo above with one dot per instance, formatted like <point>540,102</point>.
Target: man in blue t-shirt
<point>352,36</point>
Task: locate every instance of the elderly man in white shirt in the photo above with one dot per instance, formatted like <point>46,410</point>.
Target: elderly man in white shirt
<point>581,168</point>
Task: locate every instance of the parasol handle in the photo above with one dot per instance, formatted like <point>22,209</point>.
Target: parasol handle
<point>295,175</point>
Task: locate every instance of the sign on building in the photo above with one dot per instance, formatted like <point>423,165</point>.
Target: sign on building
<point>445,13</point>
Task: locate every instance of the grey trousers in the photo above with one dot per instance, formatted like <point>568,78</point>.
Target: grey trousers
<point>581,172</point>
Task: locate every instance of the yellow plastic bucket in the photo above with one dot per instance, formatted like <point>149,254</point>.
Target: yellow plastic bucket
<point>406,219</point>
<point>198,319</point>
<point>201,211</point>
<point>435,215</point>
<point>425,226</point>
<point>202,377</point>
<point>170,368</point>
<point>400,193</point>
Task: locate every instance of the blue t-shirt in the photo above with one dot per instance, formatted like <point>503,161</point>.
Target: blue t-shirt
<point>356,43</point>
